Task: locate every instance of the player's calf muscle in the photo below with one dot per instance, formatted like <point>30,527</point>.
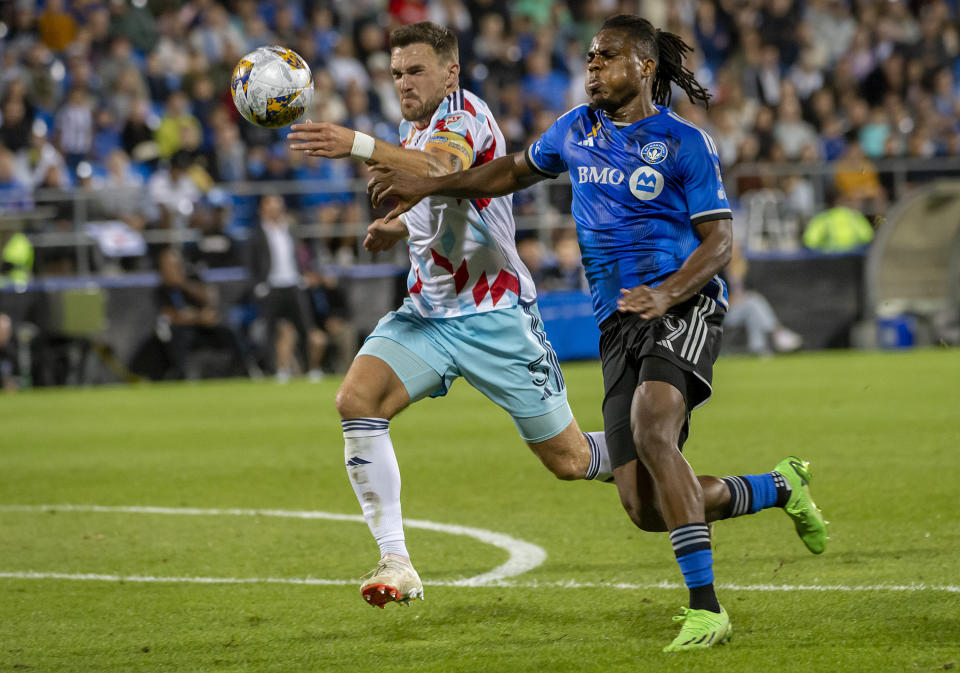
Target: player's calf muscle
<point>566,455</point>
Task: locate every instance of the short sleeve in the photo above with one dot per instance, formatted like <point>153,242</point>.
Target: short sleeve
<point>703,186</point>
<point>545,156</point>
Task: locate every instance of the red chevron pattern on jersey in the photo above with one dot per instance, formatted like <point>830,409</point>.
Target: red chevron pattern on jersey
<point>504,281</point>
<point>460,277</point>
<point>480,289</point>
<point>418,286</point>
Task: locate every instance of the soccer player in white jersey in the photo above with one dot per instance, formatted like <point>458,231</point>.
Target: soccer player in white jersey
<point>471,309</point>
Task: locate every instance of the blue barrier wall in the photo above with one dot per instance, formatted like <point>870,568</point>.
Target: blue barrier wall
<point>571,327</point>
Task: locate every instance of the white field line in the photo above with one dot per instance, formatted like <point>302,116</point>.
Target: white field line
<point>523,556</point>
<point>571,584</point>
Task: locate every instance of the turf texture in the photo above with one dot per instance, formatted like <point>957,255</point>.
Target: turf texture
<point>880,429</point>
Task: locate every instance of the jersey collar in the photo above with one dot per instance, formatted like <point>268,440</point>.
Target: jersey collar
<point>661,109</point>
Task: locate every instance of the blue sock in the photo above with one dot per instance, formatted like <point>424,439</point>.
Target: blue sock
<point>751,493</point>
<point>691,545</point>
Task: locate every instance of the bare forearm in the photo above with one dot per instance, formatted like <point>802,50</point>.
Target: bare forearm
<point>710,257</point>
<point>415,162</point>
<point>497,178</point>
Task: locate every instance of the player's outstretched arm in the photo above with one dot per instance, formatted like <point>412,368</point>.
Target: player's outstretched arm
<point>497,178</point>
<point>713,253</point>
<point>322,139</point>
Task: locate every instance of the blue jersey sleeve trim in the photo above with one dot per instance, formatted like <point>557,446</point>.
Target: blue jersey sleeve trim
<point>710,215</point>
<point>535,168</point>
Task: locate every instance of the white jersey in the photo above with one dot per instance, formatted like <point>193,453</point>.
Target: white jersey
<point>463,258</point>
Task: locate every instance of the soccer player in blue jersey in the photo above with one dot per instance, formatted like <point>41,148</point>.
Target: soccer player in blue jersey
<point>654,227</point>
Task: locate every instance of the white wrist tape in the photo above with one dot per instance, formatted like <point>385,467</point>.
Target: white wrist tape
<point>362,146</point>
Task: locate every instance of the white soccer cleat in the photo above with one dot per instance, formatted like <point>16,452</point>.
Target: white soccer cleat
<point>392,580</point>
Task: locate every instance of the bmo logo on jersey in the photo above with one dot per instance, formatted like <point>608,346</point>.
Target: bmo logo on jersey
<point>646,183</point>
<point>601,176</point>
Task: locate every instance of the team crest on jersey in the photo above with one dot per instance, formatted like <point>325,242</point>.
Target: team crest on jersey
<point>455,122</point>
<point>654,153</point>
<point>646,183</point>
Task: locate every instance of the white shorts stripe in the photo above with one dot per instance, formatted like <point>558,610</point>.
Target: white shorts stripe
<point>712,306</point>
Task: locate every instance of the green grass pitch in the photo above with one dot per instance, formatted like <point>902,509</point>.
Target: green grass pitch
<point>882,431</point>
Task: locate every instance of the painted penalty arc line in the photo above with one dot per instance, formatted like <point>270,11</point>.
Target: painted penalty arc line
<point>522,556</point>
<point>478,581</point>
<point>571,584</point>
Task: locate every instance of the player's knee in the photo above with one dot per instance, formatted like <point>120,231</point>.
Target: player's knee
<point>654,441</point>
<point>354,403</point>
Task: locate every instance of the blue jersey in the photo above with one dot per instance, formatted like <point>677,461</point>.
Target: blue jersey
<point>638,193</point>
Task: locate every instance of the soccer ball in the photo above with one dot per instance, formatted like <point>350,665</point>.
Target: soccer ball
<point>272,86</point>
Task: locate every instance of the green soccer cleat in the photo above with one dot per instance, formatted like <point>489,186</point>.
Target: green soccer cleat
<point>701,629</point>
<point>807,518</point>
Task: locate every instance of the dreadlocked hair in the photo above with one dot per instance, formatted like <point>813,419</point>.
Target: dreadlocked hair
<point>669,51</point>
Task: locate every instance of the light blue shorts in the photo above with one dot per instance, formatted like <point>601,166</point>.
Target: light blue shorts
<point>504,354</point>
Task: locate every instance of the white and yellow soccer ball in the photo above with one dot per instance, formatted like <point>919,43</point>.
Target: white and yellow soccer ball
<point>272,86</point>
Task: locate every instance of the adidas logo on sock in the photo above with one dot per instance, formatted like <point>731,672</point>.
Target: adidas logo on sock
<point>353,462</point>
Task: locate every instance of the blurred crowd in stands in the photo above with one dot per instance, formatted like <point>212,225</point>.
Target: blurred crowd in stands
<point>127,102</point>
<point>120,94</point>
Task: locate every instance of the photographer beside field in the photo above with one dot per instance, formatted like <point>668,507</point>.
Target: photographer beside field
<point>189,320</point>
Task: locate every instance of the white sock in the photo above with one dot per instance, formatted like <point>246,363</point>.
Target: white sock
<point>375,477</point>
<point>599,469</point>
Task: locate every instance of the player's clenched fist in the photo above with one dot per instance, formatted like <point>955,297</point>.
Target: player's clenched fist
<point>648,302</point>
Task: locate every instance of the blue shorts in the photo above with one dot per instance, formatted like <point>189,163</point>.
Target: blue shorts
<point>504,354</point>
